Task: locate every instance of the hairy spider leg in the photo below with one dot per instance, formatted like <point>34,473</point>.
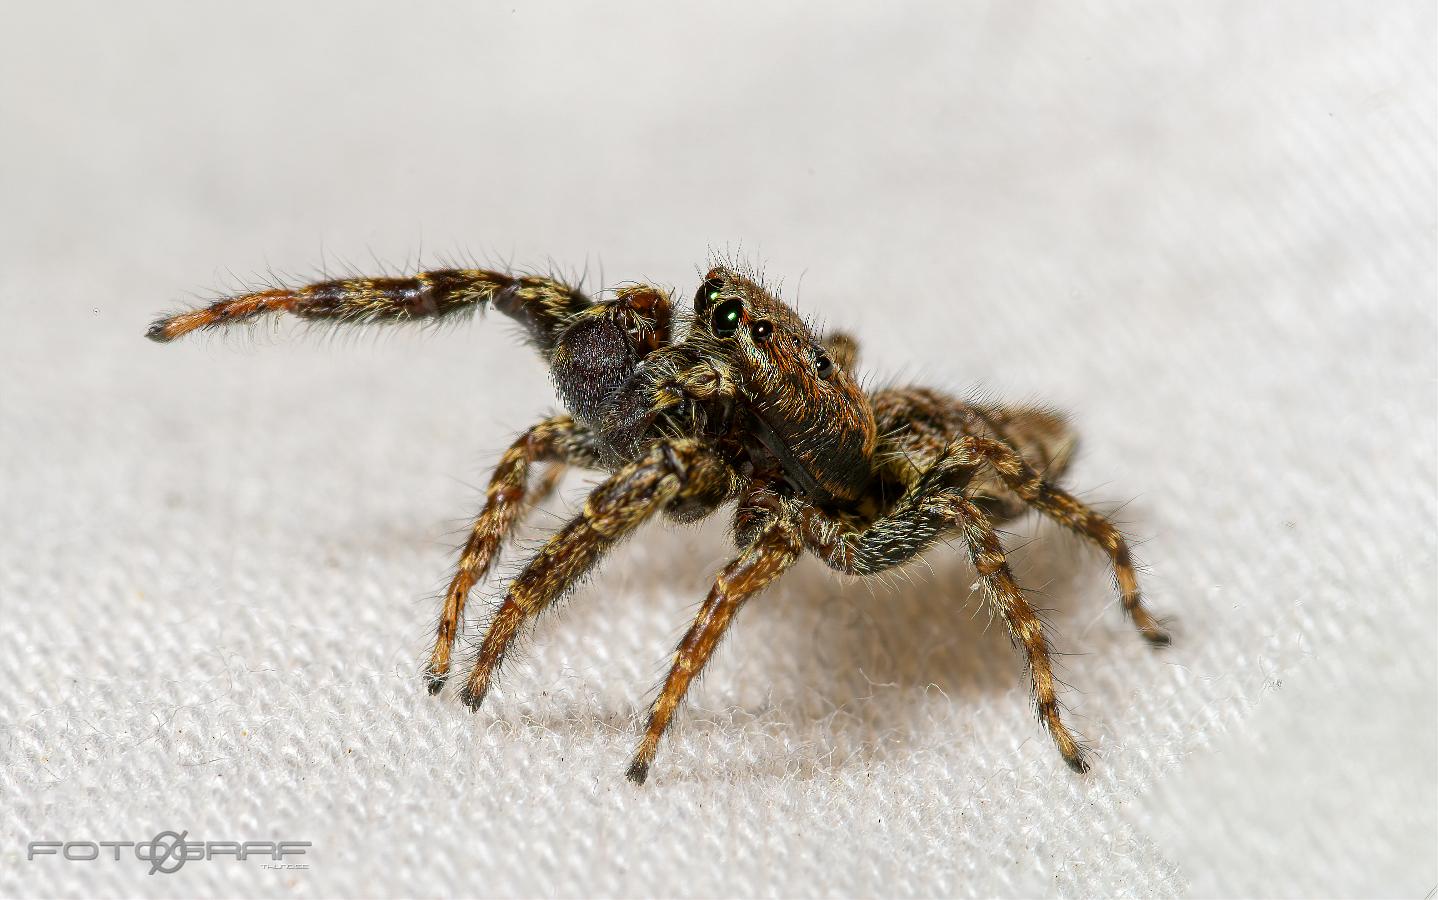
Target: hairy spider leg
<point>920,423</point>
<point>544,306</point>
<point>762,562</point>
<point>1024,625</point>
<point>558,440</point>
<point>843,349</point>
<point>1065,509</point>
<point>937,503</point>
<point>670,470</point>
<point>912,525</point>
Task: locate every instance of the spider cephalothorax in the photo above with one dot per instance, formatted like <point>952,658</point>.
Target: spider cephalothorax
<point>734,400</point>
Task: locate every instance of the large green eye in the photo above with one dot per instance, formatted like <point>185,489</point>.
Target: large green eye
<point>708,292</point>
<point>725,320</point>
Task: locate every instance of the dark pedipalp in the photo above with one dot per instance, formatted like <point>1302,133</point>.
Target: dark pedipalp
<point>593,360</point>
<point>598,356</point>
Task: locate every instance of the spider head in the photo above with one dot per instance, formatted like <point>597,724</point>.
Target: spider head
<point>807,409</point>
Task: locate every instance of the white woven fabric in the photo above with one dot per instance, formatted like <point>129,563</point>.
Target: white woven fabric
<point>1205,229</point>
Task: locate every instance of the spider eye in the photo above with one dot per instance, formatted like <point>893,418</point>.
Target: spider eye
<point>824,365</point>
<point>708,292</point>
<point>762,329</point>
<point>725,320</point>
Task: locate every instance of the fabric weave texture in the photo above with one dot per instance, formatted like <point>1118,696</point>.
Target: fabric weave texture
<point>1205,230</point>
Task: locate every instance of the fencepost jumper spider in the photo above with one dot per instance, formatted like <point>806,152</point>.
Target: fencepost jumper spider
<point>733,401</point>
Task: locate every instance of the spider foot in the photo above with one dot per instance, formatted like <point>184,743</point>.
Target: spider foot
<point>1073,752</point>
<point>1154,631</point>
<point>1077,760</point>
<point>434,681</point>
<point>638,771</point>
<point>472,697</point>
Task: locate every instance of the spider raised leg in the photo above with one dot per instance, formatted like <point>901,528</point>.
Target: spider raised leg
<point>542,304</point>
<point>736,398</point>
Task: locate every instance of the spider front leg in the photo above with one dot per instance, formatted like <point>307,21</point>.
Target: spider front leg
<point>672,471</point>
<point>544,306</point>
<point>764,560</point>
<point>1065,509</point>
<point>557,440</point>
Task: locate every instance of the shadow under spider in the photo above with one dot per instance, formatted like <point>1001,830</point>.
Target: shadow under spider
<point>822,671</point>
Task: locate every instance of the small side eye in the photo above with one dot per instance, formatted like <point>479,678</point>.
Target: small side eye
<point>762,329</point>
<point>824,365</point>
<point>725,320</point>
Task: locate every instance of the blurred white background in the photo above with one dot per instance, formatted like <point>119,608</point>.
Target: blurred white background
<point>1207,229</point>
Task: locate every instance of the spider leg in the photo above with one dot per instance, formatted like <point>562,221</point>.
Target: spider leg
<point>919,423</point>
<point>916,521</point>
<point>912,525</point>
<point>762,562</point>
<point>842,348</point>
<point>937,503</point>
<point>670,471</point>
<point>1065,509</point>
<point>558,440</point>
<point>1023,623</point>
<point>544,306</point>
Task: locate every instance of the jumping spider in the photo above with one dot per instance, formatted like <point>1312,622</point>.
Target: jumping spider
<point>740,401</point>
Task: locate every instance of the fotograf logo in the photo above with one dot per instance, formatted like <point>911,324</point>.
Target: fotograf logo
<point>168,851</point>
